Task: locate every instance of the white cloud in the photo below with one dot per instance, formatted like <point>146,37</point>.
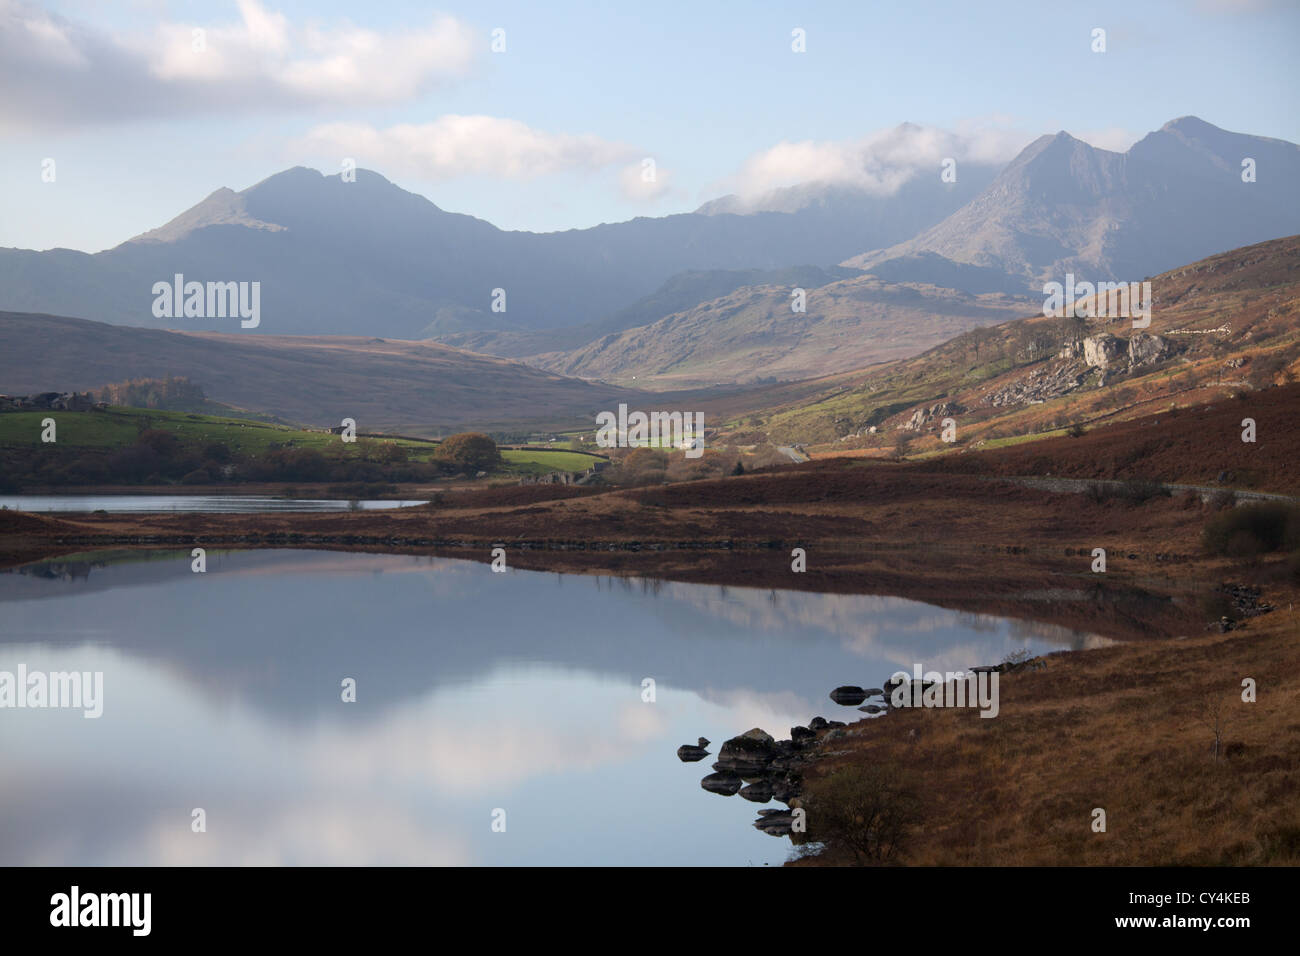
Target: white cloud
<point>54,71</point>
<point>880,162</point>
<point>453,146</point>
<point>641,183</point>
<point>1114,138</point>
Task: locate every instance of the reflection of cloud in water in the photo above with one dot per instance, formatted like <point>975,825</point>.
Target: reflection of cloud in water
<point>446,742</point>
<point>1057,634</point>
<point>779,710</point>
<point>519,690</point>
<point>870,626</point>
<point>330,833</point>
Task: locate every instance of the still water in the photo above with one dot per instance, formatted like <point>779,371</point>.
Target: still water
<point>230,504</point>
<point>476,692</point>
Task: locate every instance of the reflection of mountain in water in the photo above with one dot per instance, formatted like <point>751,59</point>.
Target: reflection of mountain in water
<point>78,568</point>
<point>282,628</point>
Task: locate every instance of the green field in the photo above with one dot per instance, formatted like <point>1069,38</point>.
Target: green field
<point>118,427</point>
<point>542,460</point>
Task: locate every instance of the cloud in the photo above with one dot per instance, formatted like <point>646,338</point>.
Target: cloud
<point>879,163</point>
<point>644,181</point>
<point>1113,138</point>
<point>56,72</point>
<point>453,146</point>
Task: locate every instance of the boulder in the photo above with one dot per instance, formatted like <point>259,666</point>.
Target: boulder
<point>848,696</point>
<point>725,784</point>
<point>751,751</point>
<point>776,822</point>
<point>759,791</point>
<point>787,788</point>
<point>690,753</point>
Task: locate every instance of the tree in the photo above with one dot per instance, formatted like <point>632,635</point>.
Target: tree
<point>163,443</point>
<point>1214,716</point>
<point>469,450</point>
<point>866,810</point>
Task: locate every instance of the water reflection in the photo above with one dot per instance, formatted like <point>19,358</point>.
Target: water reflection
<point>475,691</point>
<point>226,504</point>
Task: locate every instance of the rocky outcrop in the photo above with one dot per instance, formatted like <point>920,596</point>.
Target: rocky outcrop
<point>1102,350</point>
<point>1106,351</point>
<point>924,416</point>
<point>1040,385</point>
<point>1145,349</point>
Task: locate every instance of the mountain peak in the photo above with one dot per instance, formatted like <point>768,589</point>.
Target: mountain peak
<point>223,207</point>
<point>1189,125</point>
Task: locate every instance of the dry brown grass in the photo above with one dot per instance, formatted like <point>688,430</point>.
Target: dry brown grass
<point>1121,728</point>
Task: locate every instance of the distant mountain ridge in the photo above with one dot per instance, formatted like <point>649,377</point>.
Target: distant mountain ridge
<point>1063,206</point>
<point>369,258</point>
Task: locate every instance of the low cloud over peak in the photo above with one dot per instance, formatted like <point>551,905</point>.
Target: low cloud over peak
<point>452,146</point>
<point>878,163</point>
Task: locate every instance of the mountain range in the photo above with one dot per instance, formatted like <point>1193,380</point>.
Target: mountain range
<point>369,258</point>
<point>1177,195</point>
<point>696,298</point>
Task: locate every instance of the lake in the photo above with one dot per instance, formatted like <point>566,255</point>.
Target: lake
<point>476,692</point>
<point>230,504</point>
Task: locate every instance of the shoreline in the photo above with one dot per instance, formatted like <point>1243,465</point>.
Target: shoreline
<point>1119,727</point>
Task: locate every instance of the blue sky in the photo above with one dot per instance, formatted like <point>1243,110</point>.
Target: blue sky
<point>552,133</point>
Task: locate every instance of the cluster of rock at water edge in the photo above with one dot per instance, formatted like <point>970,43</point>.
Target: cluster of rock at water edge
<point>762,769</point>
<point>850,695</point>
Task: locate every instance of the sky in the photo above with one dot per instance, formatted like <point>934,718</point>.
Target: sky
<point>115,116</point>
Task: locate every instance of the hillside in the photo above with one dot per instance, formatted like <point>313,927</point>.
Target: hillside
<point>1225,324</point>
<point>677,294</point>
<point>752,335</point>
<point>414,387</point>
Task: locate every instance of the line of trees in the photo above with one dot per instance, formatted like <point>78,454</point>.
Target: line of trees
<point>159,457</point>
